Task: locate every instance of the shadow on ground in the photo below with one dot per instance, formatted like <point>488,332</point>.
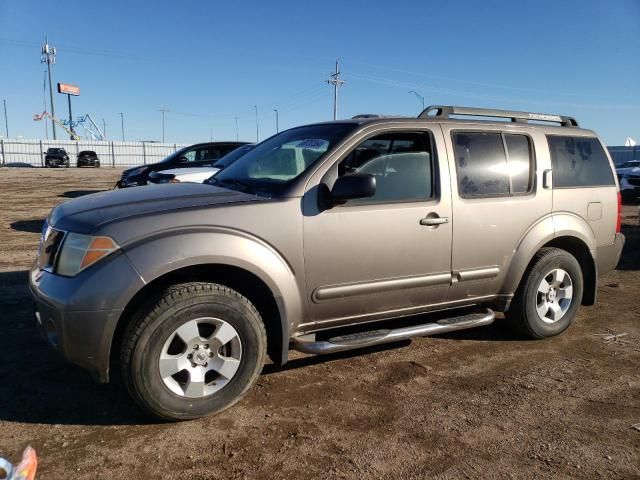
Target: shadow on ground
<point>29,226</point>
<point>37,385</point>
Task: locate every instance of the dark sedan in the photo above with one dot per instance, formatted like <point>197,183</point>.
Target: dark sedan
<point>88,158</point>
<point>198,155</point>
<point>56,157</point>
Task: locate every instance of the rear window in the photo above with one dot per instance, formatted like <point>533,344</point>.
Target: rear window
<point>579,162</point>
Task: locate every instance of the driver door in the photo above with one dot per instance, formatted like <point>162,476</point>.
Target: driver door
<point>380,256</point>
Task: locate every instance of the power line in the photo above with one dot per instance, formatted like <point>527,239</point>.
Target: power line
<point>334,79</point>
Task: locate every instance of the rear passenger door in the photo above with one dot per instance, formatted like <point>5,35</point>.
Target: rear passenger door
<point>497,196</point>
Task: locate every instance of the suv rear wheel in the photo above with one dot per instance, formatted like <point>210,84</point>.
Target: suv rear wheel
<point>193,351</point>
<point>549,294</point>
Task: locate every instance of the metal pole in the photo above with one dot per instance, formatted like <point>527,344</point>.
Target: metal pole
<point>122,124</point>
<point>70,118</point>
<point>113,156</point>
<point>277,126</point>
<point>4,161</point>
<point>236,128</point>
<point>41,154</point>
<point>210,134</point>
<point>44,103</point>
<point>104,129</point>
<point>336,82</point>
<point>6,122</point>
<point>144,154</point>
<point>163,110</point>
<point>257,133</point>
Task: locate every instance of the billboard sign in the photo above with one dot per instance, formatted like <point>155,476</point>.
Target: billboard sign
<point>68,89</point>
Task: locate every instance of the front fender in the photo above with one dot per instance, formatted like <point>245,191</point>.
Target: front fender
<point>171,250</point>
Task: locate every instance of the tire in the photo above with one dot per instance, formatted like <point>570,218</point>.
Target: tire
<point>153,332</point>
<point>526,312</point>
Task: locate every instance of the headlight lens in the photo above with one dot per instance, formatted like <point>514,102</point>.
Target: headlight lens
<point>82,251</point>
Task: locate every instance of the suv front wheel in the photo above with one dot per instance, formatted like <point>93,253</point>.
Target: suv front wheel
<point>193,351</point>
<point>549,294</point>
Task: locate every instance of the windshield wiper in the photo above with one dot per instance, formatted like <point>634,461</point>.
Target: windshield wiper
<point>232,182</point>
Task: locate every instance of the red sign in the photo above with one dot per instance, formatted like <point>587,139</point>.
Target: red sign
<point>68,89</point>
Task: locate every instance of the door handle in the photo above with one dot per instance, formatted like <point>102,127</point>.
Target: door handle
<point>433,220</point>
<point>547,178</point>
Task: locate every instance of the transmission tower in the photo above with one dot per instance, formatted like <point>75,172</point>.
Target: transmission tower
<point>48,56</point>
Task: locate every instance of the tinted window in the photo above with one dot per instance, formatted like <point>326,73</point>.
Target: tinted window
<point>519,159</point>
<point>579,162</point>
<point>481,164</point>
<point>401,164</point>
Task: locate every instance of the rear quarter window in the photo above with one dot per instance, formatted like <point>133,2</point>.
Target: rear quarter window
<point>579,162</point>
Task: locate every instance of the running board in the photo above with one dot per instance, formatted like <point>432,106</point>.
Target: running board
<point>308,344</point>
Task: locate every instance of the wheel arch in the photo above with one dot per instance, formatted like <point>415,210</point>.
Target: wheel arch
<point>243,281</point>
<point>565,231</point>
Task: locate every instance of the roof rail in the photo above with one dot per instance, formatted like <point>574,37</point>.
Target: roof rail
<point>372,115</point>
<point>445,111</point>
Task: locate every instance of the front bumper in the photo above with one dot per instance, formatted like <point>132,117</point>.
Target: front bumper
<point>78,315</point>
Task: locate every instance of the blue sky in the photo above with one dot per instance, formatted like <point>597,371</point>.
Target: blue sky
<point>210,61</point>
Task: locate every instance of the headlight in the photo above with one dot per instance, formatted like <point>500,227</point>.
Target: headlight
<point>82,251</point>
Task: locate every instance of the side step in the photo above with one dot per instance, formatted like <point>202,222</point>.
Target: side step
<point>308,343</point>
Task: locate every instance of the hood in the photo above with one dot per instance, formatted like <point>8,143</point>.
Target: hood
<point>183,171</point>
<point>85,214</point>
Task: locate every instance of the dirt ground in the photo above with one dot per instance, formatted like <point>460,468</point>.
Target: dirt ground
<point>481,403</point>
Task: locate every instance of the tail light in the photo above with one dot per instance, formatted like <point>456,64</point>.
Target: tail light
<point>619,222</point>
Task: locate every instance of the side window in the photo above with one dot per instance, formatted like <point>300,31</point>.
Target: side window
<point>208,153</point>
<point>579,162</point>
<point>190,156</point>
<point>402,164</point>
<point>492,164</point>
<point>519,158</point>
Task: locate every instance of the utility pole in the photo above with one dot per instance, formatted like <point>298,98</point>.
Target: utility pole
<point>420,97</point>
<point>336,82</point>
<point>277,126</point>
<point>211,134</point>
<point>163,110</point>
<point>6,122</point>
<point>122,125</point>
<point>48,56</point>
<point>236,128</point>
<point>257,133</point>
<point>104,130</point>
<point>44,103</point>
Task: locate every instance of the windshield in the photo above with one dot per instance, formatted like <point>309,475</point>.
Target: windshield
<point>175,154</point>
<point>632,163</point>
<point>55,150</point>
<point>231,157</point>
<point>274,163</point>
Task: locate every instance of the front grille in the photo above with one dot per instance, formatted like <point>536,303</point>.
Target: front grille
<point>50,242</point>
<point>634,181</point>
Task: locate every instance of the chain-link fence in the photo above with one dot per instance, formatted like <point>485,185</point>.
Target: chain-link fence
<point>25,153</point>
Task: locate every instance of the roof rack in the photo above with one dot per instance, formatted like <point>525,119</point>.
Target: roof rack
<point>372,115</point>
<point>445,111</point>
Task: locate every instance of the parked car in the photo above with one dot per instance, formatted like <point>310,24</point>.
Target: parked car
<point>627,167</point>
<point>630,184</point>
<point>198,155</point>
<point>198,174</point>
<point>88,158</point>
<point>324,227</point>
<point>56,157</point>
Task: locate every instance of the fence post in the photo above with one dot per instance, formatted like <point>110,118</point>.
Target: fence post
<point>113,156</point>
<point>4,161</point>
<point>144,154</point>
<point>41,155</point>
<point>175,147</point>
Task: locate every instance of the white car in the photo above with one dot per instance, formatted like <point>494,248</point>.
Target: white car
<point>198,174</point>
<point>630,183</point>
<point>627,167</point>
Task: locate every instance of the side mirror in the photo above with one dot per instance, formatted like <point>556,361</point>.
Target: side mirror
<point>349,187</point>
<point>182,160</point>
